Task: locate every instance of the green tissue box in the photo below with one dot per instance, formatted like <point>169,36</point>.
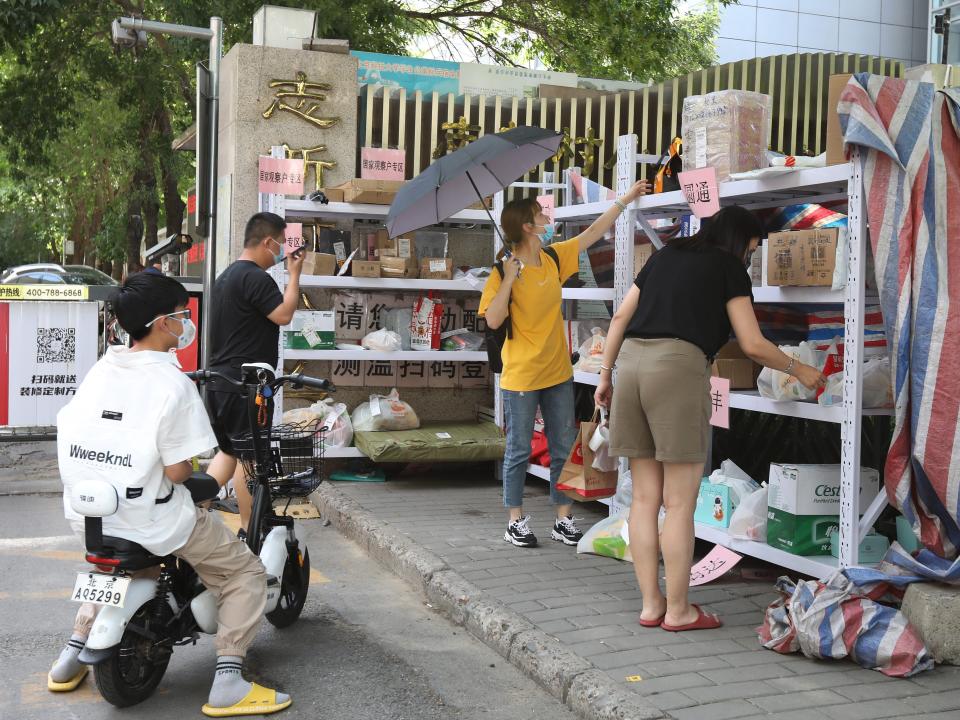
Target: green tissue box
<point>872,548</point>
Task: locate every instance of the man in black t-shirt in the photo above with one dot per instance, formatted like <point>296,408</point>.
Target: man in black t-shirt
<point>245,318</point>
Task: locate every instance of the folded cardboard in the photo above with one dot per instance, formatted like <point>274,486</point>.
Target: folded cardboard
<point>310,330</point>
<point>398,267</point>
<point>641,253</point>
<point>374,192</point>
<point>436,269</point>
<point>803,505</point>
<point>802,257</point>
<point>732,364</point>
<point>334,194</point>
<point>366,268</point>
<point>834,134</point>
<point>319,264</point>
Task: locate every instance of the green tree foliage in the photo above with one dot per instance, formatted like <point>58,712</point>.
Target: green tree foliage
<point>86,131</point>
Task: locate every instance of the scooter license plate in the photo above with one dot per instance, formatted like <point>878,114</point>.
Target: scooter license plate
<point>100,589</point>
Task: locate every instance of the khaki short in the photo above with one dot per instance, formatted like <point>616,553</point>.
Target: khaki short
<point>661,402</point>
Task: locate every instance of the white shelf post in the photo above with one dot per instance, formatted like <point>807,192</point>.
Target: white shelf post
<point>850,429</point>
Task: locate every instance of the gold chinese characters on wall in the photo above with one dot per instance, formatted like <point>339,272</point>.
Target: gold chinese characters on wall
<point>307,97</point>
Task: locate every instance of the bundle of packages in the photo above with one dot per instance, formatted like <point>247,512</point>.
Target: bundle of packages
<point>726,130</point>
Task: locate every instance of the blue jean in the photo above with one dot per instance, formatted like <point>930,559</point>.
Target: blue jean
<point>560,427</point>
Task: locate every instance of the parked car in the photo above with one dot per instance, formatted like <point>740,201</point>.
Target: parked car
<point>53,274</point>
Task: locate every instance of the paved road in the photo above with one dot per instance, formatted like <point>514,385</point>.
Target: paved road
<point>365,647</point>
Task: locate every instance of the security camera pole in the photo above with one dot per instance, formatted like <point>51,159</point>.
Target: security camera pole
<point>206,155</point>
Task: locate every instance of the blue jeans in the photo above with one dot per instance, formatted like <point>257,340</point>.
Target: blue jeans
<point>560,427</point>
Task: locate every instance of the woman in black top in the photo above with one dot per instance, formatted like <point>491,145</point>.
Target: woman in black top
<point>670,326</point>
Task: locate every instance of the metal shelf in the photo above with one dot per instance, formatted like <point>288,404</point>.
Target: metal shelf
<point>818,566</point>
<point>539,471</point>
<point>586,378</point>
<point>360,283</point>
<point>364,211</point>
<point>751,400</point>
<point>407,355</point>
<point>605,294</point>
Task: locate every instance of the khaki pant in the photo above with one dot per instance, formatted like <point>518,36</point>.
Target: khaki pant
<point>229,570</point>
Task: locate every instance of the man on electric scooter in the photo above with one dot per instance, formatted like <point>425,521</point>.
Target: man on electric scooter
<point>145,421</point>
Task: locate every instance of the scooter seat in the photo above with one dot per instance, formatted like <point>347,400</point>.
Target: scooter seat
<point>131,555</point>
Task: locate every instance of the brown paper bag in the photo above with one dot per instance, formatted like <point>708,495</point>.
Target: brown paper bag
<point>579,480</point>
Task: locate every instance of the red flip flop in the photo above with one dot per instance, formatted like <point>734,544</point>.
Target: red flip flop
<point>652,623</point>
<point>704,621</point>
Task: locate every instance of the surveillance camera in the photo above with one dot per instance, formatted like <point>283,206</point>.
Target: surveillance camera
<point>176,244</point>
<point>125,38</point>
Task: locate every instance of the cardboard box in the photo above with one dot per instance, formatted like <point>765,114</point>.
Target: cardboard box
<point>732,364</point>
<point>726,130</point>
<point>715,504</point>
<point>366,268</point>
<point>803,505</point>
<point>334,194</point>
<point>374,192</point>
<point>402,246</point>
<point>834,134</point>
<point>319,264</point>
<point>641,253</point>
<point>397,267</point>
<point>310,330</point>
<point>802,257</point>
<point>436,269</point>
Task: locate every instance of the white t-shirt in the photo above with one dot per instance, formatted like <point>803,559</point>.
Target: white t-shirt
<point>134,413</point>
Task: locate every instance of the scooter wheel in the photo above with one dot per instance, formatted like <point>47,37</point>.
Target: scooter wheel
<point>293,589</point>
<point>132,673</point>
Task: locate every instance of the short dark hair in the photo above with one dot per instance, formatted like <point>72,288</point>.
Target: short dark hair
<point>142,297</point>
<point>261,226</point>
<point>731,229</point>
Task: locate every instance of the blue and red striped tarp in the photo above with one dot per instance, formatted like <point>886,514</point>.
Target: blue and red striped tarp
<point>909,137</point>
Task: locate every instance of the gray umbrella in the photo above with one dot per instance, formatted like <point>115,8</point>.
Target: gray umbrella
<point>482,168</point>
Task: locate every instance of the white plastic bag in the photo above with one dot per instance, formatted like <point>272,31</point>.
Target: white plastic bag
<point>384,413</point>
<point>877,390</point>
<point>591,352</point>
<point>305,418</point>
<point>337,428</point>
<point>382,340</point>
<point>608,538</point>
<point>741,485</point>
<point>776,385</point>
<point>600,444</point>
<point>749,520</point>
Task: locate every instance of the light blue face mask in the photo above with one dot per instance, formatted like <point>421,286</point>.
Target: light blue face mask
<point>278,257</point>
<point>548,233</point>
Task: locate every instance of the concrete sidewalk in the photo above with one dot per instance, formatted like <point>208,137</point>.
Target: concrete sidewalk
<point>443,530</point>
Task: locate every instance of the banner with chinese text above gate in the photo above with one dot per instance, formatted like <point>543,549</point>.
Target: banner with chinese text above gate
<point>46,349</point>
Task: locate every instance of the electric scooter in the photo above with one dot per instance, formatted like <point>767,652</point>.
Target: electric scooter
<point>141,619</point>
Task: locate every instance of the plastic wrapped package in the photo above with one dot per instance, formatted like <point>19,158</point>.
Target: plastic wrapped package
<point>749,520</point>
<point>461,340</point>
<point>877,390</point>
<point>776,385</point>
<point>591,352</point>
<point>384,412</point>
<point>305,417</point>
<point>726,130</point>
<point>398,320</point>
<point>382,341</point>
<point>337,427</point>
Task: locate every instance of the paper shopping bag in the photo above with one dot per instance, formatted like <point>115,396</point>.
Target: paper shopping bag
<point>579,480</point>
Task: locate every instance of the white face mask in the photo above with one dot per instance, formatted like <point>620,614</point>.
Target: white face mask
<point>188,331</point>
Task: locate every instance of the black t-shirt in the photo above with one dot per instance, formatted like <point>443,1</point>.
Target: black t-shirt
<point>684,294</point>
<point>243,296</point>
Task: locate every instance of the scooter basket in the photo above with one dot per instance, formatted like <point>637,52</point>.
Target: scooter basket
<point>295,457</point>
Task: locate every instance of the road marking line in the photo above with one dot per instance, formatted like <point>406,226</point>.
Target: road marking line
<point>37,543</point>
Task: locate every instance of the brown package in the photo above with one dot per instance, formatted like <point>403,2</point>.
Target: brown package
<point>834,135</point>
<point>396,267</point>
<point>802,257</point>
<point>334,194</point>
<point>436,269</point>
<point>641,253</point>
<point>732,364</point>
<point>319,264</point>
<point>375,192</point>
<point>365,268</point>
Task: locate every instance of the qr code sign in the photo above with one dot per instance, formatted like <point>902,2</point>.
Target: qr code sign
<point>56,345</point>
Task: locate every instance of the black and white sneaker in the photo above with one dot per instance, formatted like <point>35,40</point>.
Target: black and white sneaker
<point>565,530</point>
<point>519,533</point>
